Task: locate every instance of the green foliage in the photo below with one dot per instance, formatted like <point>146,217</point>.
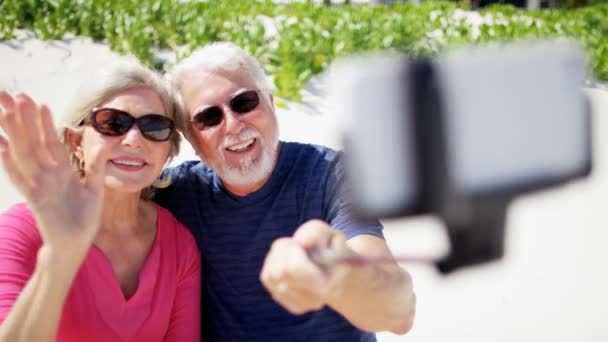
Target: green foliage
<point>295,41</point>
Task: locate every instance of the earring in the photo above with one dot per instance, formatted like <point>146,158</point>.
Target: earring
<point>81,167</point>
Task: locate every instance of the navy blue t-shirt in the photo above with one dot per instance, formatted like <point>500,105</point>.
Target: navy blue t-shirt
<point>235,233</point>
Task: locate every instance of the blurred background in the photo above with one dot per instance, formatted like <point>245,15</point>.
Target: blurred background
<point>549,286</point>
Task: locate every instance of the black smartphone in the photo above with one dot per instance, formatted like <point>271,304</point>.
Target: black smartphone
<point>506,119</point>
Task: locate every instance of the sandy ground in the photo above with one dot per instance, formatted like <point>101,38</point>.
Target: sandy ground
<point>549,287</point>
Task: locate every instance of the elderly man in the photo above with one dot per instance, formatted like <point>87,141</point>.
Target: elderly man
<point>259,207</point>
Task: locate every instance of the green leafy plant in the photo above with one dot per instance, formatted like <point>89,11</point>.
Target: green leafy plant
<point>297,40</point>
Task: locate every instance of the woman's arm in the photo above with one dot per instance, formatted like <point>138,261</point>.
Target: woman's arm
<point>36,313</point>
<point>67,210</point>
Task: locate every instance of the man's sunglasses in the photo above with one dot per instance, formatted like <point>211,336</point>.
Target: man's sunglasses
<point>242,103</point>
<point>114,122</point>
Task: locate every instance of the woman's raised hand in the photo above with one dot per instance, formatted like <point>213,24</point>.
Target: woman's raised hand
<point>67,207</point>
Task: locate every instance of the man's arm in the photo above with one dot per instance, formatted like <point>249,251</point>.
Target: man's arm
<point>377,296</point>
<point>374,297</point>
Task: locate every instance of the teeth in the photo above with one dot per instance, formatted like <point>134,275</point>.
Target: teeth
<point>242,146</point>
<point>128,162</point>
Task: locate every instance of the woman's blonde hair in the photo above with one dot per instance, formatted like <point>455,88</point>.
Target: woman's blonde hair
<point>123,74</point>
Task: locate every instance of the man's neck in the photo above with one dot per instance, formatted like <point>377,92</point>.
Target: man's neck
<point>243,190</point>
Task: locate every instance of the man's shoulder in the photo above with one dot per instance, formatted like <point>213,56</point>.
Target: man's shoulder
<point>174,228</point>
<point>308,148</point>
<point>312,152</point>
<point>313,165</point>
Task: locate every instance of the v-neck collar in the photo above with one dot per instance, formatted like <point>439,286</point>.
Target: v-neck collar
<point>117,310</point>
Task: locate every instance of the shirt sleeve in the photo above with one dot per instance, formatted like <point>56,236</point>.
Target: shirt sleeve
<point>339,213</point>
<point>19,245</point>
<point>185,324</point>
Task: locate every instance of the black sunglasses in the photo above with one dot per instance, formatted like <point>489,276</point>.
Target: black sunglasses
<point>242,103</point>
<point>115,122</point>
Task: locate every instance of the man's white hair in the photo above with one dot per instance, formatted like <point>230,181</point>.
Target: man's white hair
<point>216,58</point>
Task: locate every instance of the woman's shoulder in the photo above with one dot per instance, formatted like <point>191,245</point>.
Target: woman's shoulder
<point>19,210</point>
<point>18,217</point>
<point>19,231</point>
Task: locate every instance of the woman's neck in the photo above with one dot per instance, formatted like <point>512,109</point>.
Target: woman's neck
<point>122,213</point>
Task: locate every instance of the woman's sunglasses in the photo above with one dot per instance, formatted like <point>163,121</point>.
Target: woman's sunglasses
<point>114,122</point>
<point>241,104</point>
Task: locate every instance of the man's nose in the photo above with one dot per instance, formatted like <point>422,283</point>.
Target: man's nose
<point>234,125</point>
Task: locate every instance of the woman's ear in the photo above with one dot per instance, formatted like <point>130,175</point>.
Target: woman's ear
<point>73,139</point>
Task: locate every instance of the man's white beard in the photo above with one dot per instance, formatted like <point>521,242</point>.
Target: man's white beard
<point>248,172</point>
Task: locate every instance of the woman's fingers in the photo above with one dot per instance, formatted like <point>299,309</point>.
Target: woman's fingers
<point>6,101</point>
<point>33,155</point>
<point>55,147</point>
<point>8,122</point>
<point>8,117</point>
<point>12,121</point>
<point>13,172</point>
<point>28,119</point>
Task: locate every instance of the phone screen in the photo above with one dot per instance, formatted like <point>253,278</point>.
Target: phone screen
<point>514,116</point>
<point>379,143</point>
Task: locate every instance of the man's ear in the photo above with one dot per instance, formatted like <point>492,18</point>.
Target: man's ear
<point>191,136</point>
<point>271,98</point>
<point>73,139</point>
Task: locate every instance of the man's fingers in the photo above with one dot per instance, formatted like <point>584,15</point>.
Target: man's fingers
<point>296,302</point>
<point>287,262</point>
<point>338,242</point>
<point>314,233</point>
<point>294,280</point>
<point>300,280</point>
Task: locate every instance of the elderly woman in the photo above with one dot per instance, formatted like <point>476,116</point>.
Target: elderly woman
<point>90,257</point>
